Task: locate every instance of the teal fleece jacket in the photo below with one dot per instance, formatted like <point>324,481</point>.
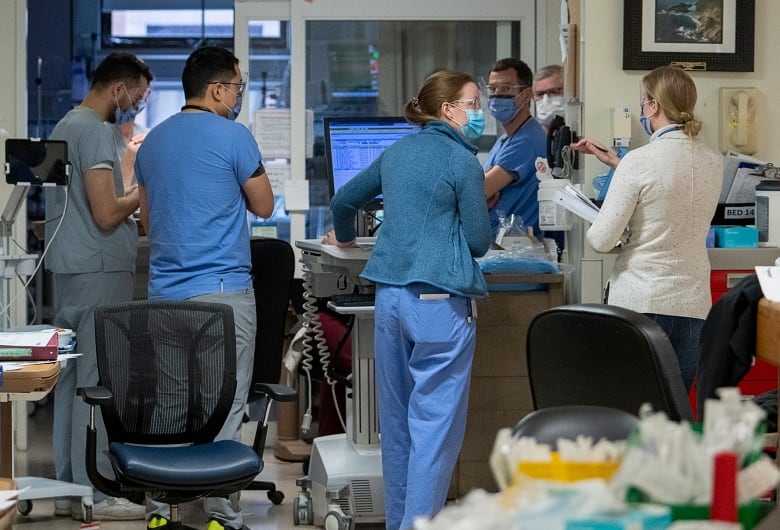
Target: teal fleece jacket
<point>435,214</point>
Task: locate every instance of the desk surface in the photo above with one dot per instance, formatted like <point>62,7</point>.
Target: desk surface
<point>33,378</point>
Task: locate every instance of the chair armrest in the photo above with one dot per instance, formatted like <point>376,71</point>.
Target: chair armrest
<point>96,395</point>
<point>276,392</point>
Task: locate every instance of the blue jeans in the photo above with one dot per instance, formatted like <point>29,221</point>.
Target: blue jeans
<point>684,335</point>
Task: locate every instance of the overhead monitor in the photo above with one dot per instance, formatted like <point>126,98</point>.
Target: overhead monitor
<point>34,162</point>
<point>352,143</point>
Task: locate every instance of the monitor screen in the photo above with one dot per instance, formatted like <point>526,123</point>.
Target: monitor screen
<point>351,144</point>
<point>34,162</point>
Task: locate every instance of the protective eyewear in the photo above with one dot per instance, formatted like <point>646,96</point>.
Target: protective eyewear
<point>470,103</point>
<point>241,85</point>
<point>139,104</point>
<point>504,90</point>
<point>554,91</point>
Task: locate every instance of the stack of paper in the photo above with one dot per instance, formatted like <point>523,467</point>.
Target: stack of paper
<point>739,180</point>
<point>576,202</point>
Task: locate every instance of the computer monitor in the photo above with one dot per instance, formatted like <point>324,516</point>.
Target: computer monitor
<point>34,162</point>
<point>351,144</point>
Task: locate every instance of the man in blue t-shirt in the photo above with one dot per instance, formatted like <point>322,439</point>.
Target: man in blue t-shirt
<point>198,172</point>
<point>510,173</point>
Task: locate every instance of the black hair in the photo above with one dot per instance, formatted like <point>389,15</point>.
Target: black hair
<point>524,74</point>
<point>205,65</point>
<point>120,67</point>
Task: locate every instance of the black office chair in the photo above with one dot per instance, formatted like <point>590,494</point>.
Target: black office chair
<point>167,380</point>
<point>547,425</point>
<point>595,354</point>
<point>273,264</point>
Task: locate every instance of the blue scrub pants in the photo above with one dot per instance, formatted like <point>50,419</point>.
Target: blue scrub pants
<point>424,350</point>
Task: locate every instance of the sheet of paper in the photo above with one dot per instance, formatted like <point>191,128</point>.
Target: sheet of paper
<point>769,279</point>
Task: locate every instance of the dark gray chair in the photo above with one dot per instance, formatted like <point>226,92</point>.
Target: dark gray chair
<point>596,354</point>
<point>547,425</point>
<point>273,264</point>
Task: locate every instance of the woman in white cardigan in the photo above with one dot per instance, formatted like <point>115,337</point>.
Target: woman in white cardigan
<point>665,193</point>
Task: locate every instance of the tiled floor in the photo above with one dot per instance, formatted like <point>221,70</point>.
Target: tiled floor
<point>259,512</point>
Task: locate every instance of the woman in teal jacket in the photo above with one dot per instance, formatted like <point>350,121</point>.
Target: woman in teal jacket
<point>435,223</point>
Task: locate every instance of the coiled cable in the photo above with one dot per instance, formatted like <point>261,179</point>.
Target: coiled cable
<point>313,338</point>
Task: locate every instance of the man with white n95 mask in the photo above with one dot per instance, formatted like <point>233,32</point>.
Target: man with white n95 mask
<point>548,94</point>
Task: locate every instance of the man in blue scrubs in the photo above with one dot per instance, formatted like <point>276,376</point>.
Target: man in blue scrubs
<point>198,172</point>
<point>510,173</point>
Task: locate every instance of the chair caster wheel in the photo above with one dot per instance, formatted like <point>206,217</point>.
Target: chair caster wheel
<point>276,497</point>
<point>24,507</point>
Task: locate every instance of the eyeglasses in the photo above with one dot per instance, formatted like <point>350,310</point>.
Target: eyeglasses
<point>471,103</point>
<point>241,85</point>
<point>505,90</point>
<point>554,91</point>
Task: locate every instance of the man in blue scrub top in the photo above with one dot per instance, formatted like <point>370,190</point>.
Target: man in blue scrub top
<point>510,173</point>
<point>198,172</point>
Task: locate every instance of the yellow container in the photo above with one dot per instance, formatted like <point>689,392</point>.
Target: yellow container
<point>566,471</point>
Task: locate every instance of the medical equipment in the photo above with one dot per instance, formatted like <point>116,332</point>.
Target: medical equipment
<point>344,485</point>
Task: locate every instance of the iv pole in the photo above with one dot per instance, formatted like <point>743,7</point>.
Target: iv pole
<point>12,264</point>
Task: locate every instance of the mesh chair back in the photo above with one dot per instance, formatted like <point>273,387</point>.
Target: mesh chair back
<point>596,354</point>
<point>171,367</point>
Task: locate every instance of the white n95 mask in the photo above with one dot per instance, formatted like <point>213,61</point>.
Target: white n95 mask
<point>549,106</point>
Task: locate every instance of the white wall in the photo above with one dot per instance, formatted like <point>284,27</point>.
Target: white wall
<point>13,113</point>
<point>605,84</point>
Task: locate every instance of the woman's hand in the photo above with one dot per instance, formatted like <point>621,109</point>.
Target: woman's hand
<point>589,147</point>
<point>330,239</point>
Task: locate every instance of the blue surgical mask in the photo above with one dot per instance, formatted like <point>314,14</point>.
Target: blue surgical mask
<point>235,111</point>
<point>502,108</point>
<point>475,124</point>
<point>645,121</point>
<point>125,116</point>
<point>129,114</point>
<point>646,125</point>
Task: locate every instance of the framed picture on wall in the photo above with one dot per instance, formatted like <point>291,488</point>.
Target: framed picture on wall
<point>713,35</point>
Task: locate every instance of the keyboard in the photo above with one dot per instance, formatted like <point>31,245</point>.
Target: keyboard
<point>353,299</point>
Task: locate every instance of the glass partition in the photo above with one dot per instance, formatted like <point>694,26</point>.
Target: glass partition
<point>372,68</point>
<point>345,59</point>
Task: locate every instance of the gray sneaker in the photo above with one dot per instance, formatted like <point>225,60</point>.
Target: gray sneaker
<point>116,509</point>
